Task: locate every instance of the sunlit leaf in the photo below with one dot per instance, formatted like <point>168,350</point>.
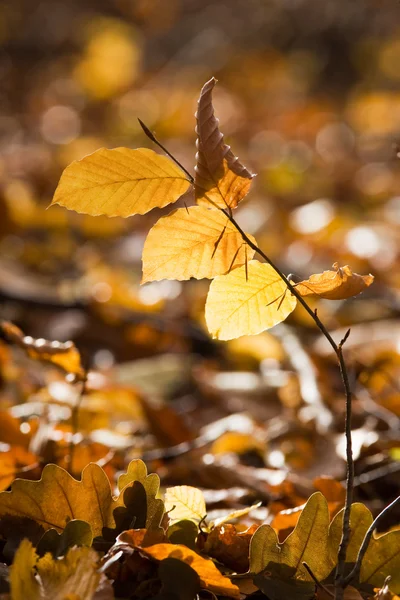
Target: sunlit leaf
<point>137,471</point>
<point>307,543</point>
<point>247,301</point>
<point>360,520</point>
<point>62,354</point>
<point>74,576</point>
<point>57,498</point>
<point>76,533</point>
<point>194,242</point>
<point>382,559</point>
<point>339,284</point>
<point>120,183</point>
<point>210,578</point>
<point>221,179</point>
<point>185,502</point>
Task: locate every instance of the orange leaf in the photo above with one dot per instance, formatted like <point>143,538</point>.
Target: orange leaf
<point>210,578</point>
<point>339,284</point>
<point>221,179</point>
<point>230,547</point>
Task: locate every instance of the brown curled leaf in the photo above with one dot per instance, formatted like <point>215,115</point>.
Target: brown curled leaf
<point>338,284</point>
<point>221,180</point>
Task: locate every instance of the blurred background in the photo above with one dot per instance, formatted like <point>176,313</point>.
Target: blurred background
<point>309,98</point>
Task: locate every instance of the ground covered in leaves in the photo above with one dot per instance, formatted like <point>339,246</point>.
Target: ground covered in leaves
<point>145,459</point>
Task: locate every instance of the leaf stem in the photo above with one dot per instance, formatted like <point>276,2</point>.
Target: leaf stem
<point>74,420</point>
<point>153,138</point>
<point>317,583</point>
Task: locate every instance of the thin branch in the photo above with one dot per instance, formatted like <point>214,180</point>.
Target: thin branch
<point>153,138</point>
<point>74,420</point>
<point>355,572</point>
<point>317,583</point>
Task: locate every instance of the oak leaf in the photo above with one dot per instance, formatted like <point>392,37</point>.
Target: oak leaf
<point>62,354</point>
<point>57,498</point>
<point>307,543</point>
<point>184,502</point>
<point>210,578</point>
<point>195,242</point>
<point>230,547</point>
<point>120,183</point>
<point>221,179</point>
<point>360,520</point>
<point>247,301</point>
<point>339,284</point>
<point>74,576</point>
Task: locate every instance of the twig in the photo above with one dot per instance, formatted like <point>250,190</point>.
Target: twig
<point>355,572</point>
<point>74,420</point>
<point>340,583</point>
<point>153,138</point>
<point>317,583</point>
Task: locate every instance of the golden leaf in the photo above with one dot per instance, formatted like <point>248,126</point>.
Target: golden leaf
<point>137,471</point>
<point>120,183</point>
<point>307,543</point>
<point>57,498</point>
<point>185,502</point>
<point>62,354</point>
<point>220,179</point>
<point>382,559</point>
<point>194,242</point>
<point>360,520</point>
<point>339,284</point>
<point>210,578</point>
<point>74,576</point>
<point>247,301</point>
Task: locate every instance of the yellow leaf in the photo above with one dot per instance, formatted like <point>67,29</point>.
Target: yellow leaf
<point>137,471</point>
<point>221,179</point>
<point>57,498</point>
<point>23,583</point>
<point>185,502</point>
<point>120,183</point>
<point>74,576</point>
<point>382,559</point>
<point>195,242</point>
<point>339,284</point>
<point>360,520</point>
<point>307,543</point>
<point>62,354</point>
<point>247,301</point>
<point>210,578</point>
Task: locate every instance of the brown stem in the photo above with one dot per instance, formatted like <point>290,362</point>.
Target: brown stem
<point>340,582</point>
<point>317,583</point>
<point>74,421</point>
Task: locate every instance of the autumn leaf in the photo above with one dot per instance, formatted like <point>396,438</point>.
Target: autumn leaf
<point>307,543</point>
<point>62,354</point>
<point>76,533</point>
<point>230,547</point>
<point>360,520</point>
<point>137,471</point>
<point>221,179</point>
<point>247,301</point>
<point>195,242</point>
<point>74,576</point>
<point>210,578</point>
<point>339,284</point>
<point>57,498</point>
<point>120,183</point>
<point>185,502</point>
<point>381,559</point>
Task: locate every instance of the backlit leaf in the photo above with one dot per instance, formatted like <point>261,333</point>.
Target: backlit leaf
<point>194,242</point>
<point>220,179</point>
<point>339,284</point>
<point>210,578</point>
<point>137,471</point>
<point>76,533</point>
<point>382,559</point>
<point>247,301</point>
<point>360,520</point>
<point>120,183</point>
<point>58,497</point>
<point>74,576</point>
<point>307,543</point>
<point>62,354</point>
<point>185,502</point>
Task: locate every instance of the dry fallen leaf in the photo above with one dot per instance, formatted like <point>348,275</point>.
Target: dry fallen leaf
<point>184,502</point>
<point>221,179</point>
<point>210,578</point>
<point>339,284</point>
<point>230,547</point>
<point>195,242</point>
<point>247,301</point>
<point>62,354</point>
<point>120,183</point>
